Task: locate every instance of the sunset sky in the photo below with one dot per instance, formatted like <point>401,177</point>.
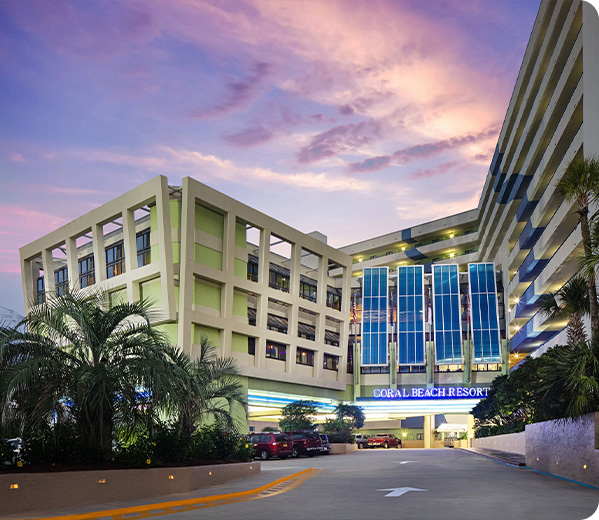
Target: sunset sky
<point>354,118</point>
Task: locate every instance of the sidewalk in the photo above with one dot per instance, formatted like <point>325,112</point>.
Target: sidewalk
<point>512,459</point>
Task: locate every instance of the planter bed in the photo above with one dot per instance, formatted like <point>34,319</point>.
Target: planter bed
<point>23,491</point>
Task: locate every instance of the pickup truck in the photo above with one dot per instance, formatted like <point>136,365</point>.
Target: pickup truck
<point>383,440</point>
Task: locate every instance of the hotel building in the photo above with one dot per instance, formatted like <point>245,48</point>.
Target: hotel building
<point>414,323</point>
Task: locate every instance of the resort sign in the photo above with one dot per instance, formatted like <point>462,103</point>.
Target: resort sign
<point>442,392</point>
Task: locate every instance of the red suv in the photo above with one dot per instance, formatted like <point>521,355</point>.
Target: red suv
<point>305,443</point>
<point>271,444</point>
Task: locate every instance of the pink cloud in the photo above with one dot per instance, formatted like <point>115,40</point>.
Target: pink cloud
<point>17,158</point>
<point>340,139</point>
<point>439,169</point>
<point>250,136</point>
<point>422,151</point>
<point>238,94</point>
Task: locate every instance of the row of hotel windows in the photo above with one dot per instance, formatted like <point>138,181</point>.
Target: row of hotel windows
<point>420,369</point>
<point>304,330</point>
<point>305,356</point>
<point>115,265</point>
<point>302,357</point>
<point>279,277</point>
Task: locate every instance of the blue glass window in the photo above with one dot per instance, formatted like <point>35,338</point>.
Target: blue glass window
<point>447,311</point>
<point>484,322</point>
<point>375,316</point>
<point>410,315</point>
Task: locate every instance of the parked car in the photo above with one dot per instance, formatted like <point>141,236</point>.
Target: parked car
<point>361,440</point>
<point>305,443</point>
<point>271,444</point>
<point>325,448</point>
<point>384,440</point>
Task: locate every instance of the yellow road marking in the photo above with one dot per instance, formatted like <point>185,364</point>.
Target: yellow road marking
<point>282,485</point>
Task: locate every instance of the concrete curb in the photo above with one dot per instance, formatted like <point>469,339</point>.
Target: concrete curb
<point>21,492</point>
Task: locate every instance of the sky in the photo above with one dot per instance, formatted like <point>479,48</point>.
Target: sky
<point>353,118</point>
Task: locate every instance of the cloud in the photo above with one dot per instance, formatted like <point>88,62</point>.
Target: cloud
<point>250,136</point>
<point>421,151</point>
<point>238,94</point>
<point>17,158</point>
<point>340,139</point>
<point>345,110</point>
<point>439,169</point>
<point>167,159</point>
<point>373,164</point>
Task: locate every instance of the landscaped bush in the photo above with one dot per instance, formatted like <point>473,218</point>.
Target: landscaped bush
<point>60,443</point>
<point>211,443</point>
<point>136,452</point>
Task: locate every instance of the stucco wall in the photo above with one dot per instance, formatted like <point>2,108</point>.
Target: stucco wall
<point>45,492</point>
<point>512,442</point>
<point>565,449</point>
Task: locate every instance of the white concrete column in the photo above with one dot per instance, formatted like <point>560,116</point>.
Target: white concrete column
<point>72,262</point>
<point>318,361</point>
<point>470,431</point>
<point>129,240</point>
<point>229,243</point>
<point>264,257</point>
<point>48,263</point>
<point>295,269</point>
<point>99,252</point>
<point>29,288</point>
<point>428,434</point>
<point>323,269</point>
<point>261,328</point>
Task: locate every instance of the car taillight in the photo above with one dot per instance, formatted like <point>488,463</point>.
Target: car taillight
<point>274,443</point>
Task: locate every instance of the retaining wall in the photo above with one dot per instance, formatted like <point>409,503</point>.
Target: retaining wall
<point>512,442</point>
<point>568,449</point>
<point>45,492</point>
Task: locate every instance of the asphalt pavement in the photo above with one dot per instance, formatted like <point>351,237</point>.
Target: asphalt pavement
<point>407,484</point>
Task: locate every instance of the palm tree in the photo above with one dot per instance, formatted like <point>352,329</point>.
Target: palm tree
<point>580,184</point>
<point>571,302</point>
<point>208,390</point>
<point>569,380</point>
<point>99,364</point>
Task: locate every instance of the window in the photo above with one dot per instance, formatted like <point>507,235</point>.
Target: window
<point>490,367</point>
<point>304,357</point>
<point>276,350</point>
<point>308,291</point>
<point>251,346</point>
<point>61,281</point>
<point>420,436</point>
<point>252,272</point>
<point>40,292</point>
<point>306,331</point>
<point>278,280</point>
<point>330,362</point>
<point>115,260</point>
<point>277,323</point>
<point>143,248</point>
<point>333,298</point>
<point>87,273</point>
<point>331,338</point>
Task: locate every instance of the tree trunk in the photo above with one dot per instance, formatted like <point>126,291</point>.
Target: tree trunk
<point>576,332</point>
<point>591,285</point>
